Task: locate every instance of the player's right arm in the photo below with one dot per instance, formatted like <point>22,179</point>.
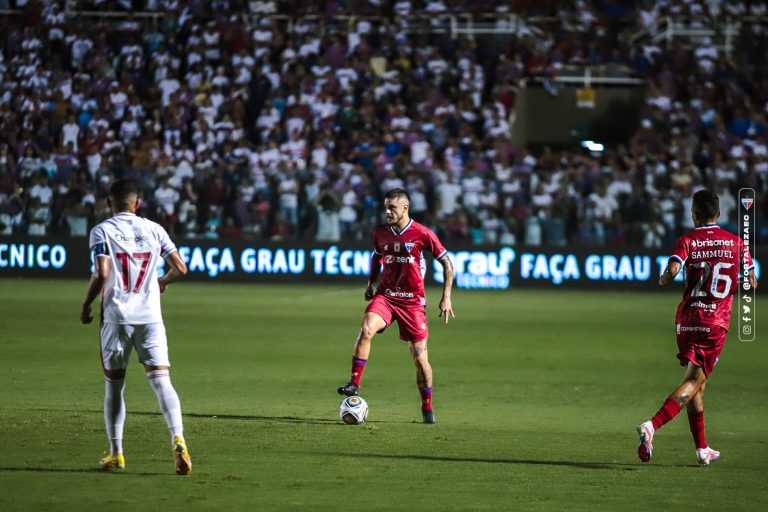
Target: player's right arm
<point>670,273</point>
<point>373,276</point>
<point>102,266</point>
<point>177,270</point>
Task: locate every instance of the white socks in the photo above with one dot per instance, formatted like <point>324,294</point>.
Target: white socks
<point>160,380</point>
<point>114,413</point>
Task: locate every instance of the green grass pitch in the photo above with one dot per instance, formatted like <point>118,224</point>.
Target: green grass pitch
<point>537,394</point>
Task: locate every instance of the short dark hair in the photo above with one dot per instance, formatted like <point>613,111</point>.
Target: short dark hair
<point>121,191</point>
<point>706,205</point>
<point>397,193</point>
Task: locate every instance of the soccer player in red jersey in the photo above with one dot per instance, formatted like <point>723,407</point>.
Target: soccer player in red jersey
<point>399,247</point>
<point>713,259</point>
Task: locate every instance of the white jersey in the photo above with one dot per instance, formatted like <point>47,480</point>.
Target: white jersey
<point>135,247</point>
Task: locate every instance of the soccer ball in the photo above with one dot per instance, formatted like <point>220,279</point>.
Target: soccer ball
<point>353,410</point>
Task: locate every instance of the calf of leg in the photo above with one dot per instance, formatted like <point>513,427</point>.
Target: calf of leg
<point>421,360</point>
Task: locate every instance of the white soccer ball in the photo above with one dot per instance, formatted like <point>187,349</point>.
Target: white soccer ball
<point>353,410</point>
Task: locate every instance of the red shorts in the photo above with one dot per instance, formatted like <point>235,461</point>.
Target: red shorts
<point>410,315</point>
<point>700,345</point>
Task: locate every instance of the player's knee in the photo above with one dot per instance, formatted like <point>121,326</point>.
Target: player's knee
<point>114,374</point>
<point>694,385</point>
<point>367,331</point>
<point>421,360</point>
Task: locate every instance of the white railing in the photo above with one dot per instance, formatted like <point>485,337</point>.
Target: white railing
<point>509,24</point>
<point>722,31</point>
<point>587,76</point>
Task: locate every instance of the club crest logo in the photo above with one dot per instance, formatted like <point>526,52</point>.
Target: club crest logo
<point>747,202</point>
<point>409,246</point>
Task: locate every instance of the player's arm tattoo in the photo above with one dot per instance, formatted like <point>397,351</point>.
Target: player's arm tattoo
<point>447,264</point>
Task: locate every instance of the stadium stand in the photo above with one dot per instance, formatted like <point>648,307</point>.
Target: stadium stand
<point>280,119</point>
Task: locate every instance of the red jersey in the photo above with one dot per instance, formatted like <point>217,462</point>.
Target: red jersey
<point>713,259</point>
<point>402,257</point>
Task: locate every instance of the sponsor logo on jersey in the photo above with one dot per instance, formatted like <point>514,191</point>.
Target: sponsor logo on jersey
<point>400,259</point>
<point>409,246</point>
<point>747,202</point>
<point>712,243</point>
<point>139,239</point>
<point>703,305</point>
<point>399,294</point>
<point>694,328</point>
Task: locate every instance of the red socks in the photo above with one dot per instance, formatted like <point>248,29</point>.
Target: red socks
<point>426,398</point>
<point>696,421</point>
<point>668,411</point>
<point>358,365</point>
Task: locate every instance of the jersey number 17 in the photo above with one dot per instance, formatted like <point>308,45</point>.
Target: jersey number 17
<point>125,263</point>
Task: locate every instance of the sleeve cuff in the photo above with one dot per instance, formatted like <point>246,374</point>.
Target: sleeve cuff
<point>442,255</point>
<point>677,258</point>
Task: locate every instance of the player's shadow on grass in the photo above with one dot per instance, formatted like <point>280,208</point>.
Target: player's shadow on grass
<point>246,417</point>
<point>241,417</point>
<point>484,460</point>
<point>75,470</point>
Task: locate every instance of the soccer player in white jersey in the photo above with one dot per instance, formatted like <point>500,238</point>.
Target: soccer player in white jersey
<point>127,251</point>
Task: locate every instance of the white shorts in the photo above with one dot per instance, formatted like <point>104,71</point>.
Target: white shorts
<point>117,341</point>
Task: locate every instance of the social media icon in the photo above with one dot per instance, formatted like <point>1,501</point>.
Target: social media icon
<point>746,329</point>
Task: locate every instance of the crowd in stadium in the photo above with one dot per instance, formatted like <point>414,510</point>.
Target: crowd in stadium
<point>243,124</point>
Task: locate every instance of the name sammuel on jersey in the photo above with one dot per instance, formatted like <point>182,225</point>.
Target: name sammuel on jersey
<point>706,255</point>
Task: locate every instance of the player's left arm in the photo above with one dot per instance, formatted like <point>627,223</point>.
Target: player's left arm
<point>100,274</point>
<point>750,265</point>
<point>177,270</point>
<point>752,279</point>
<point>445,301</point>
